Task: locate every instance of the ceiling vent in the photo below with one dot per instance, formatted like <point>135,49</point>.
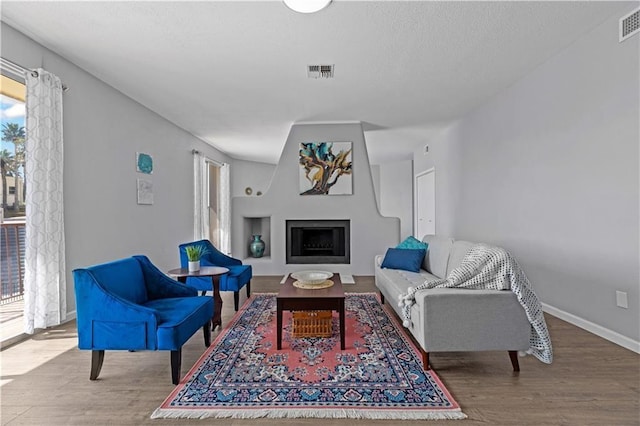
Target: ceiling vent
<point>629,25</point>
<point>320,71</point>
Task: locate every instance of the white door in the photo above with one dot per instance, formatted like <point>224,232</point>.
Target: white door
<point>425,204</point>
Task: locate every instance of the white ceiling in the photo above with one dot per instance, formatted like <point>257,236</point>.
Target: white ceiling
<point>233,73</point>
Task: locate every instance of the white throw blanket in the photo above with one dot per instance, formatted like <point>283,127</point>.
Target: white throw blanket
<point>493,268</point>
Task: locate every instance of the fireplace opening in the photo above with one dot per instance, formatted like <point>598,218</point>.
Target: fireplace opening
<point>318,241</point>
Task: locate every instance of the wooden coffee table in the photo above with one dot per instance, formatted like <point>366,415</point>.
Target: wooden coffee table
<point>291,298</point>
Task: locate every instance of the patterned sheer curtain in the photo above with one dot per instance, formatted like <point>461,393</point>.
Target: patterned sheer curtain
<point>201,224</point>
<point>225,209</point>
<point>200,201</point>
<point>44,281</point>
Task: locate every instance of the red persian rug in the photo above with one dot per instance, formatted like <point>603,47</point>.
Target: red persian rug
<point>378,376</point>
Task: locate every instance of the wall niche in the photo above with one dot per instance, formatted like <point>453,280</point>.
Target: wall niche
<point>257,226</point>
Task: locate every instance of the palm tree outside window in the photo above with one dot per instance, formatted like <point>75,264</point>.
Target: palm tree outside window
<point>12,150</point>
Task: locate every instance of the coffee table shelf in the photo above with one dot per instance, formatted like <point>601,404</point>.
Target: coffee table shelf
<point>292,298</point>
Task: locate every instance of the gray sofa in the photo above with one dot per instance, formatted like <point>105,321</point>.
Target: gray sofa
<point>455,319</point>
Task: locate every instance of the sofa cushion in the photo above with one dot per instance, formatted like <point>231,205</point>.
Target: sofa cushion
<point>395,282</point>
<point>437,256</point>
<point>458,251</point>
<point>406,259</point>
<point>412,243</point>
<point>399,280</point>
<point>178,317</point>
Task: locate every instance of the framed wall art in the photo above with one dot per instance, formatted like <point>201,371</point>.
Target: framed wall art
<point>145,191</point>
<point>326,168</point>
<point>144,163</point>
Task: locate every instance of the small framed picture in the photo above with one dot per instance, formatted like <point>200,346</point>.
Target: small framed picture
<point>144,163</point>
<point>145,191</point>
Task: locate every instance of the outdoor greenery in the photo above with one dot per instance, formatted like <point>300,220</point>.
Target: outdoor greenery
<point>12,164</point>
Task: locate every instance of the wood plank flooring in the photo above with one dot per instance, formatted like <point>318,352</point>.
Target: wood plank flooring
<point>45,381</point>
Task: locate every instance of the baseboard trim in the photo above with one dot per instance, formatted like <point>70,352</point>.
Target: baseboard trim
<point>70,316</point>
<point>591,327</point>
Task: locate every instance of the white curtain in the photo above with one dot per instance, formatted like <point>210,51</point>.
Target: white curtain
<point>201,201</point>
<point>45,297</point>
<point>225,209</point>
<point>200,197</point>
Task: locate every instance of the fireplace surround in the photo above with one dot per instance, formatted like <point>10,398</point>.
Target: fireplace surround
<point>318,241</point>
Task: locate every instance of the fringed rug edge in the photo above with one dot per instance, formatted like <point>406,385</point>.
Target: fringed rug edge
<point>167,413</point>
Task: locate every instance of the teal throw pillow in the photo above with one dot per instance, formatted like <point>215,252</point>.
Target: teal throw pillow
<point>412,243</point>
<point>405,259</point>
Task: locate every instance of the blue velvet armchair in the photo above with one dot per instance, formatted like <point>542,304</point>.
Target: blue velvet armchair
<point>239,275</point>
<point>129,304</point>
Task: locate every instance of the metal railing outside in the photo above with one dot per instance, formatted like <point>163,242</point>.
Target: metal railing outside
<point>12,246</point>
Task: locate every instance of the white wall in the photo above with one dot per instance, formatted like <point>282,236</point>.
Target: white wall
<point>371,234</point>
<point>250,174</point>
<point>396,194</point>
<point>443,156</point>
<point>375,176</point>
<point>103,129</point>
<point>549,169</point>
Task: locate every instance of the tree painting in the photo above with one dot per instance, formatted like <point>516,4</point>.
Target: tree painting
<point>325,168</point>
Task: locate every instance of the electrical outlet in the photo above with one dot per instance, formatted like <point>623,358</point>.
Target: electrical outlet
<point>621,299</point>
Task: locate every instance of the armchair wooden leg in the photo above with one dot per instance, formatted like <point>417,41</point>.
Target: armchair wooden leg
<point>97,357</point>
<point>248,289</point>
<point>514,360</point>
<point>176,361</point>
<point>236,300</point>
<point>206,330</point>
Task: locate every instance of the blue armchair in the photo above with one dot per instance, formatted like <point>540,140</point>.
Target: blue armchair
<point>129,304</point>
<point>238,276</point>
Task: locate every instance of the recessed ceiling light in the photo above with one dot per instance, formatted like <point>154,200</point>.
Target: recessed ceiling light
<point>306,6</point>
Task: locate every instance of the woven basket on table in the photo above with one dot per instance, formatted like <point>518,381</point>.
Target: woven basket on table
<point>311,324</point>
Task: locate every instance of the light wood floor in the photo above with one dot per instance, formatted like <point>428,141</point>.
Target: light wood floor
<point>45,381</point>
<point>11,323</point>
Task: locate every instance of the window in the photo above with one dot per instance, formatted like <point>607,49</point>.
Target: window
<point>12,148</point>
<point>211,201</point>
<point>12,191</point>
<point>217,195</point>
<point>214,207</point>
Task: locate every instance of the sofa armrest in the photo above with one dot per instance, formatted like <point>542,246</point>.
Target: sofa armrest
<point>159,285</point>
<point>454,319</point>
<point>378,260</point>
<point>100,312</point>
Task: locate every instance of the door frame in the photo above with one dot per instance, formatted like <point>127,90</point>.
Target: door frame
<point>415,200</point>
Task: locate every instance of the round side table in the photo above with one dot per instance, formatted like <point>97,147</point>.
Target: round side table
<point>181,274</point>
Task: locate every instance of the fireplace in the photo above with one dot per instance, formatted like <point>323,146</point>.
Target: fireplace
<point>318,241</point>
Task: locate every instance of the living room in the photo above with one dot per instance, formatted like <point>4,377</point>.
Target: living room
<point>546,165</point>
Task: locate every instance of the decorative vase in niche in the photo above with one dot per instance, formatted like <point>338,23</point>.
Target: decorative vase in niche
<point>194,266</point>
<point>257,246</point>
